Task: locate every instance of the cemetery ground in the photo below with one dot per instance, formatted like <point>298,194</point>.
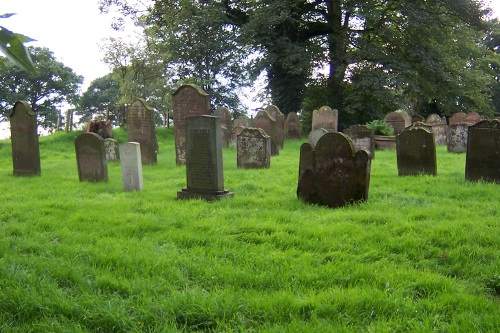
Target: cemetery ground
<point>421,255</point>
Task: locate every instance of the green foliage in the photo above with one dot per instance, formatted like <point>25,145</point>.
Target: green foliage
<point>12,46</point>
<point>380,127</point>
<point>420,255</point>
<point>52,84</point>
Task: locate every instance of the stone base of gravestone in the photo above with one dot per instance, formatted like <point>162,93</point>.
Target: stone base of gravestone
<point>112,150</point>
<point>383,142</point>
<point>187,194</point>
<point>131,164</point>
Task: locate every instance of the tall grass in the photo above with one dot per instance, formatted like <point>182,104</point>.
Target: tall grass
<point>421,255</point>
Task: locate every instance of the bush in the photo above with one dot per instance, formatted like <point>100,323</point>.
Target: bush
<point>380,127</point>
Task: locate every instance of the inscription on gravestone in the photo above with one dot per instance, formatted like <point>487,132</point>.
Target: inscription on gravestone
<point>24,139</point>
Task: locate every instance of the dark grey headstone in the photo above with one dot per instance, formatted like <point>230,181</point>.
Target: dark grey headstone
<point>292,126</point>
<point>333,174</point>
<point>24,139</point>
<point>141,129</point>
<point>416,152</point>
<point>362,138</point>
<point>483,152</point>
<point>204,170</point>
<point>91,158</point>
<point>254,149</point>
<point>187,101</point>
<point>268,124</point>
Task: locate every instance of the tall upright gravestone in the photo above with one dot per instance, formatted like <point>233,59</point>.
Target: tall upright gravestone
<point>325,118</point>
<point>91,158</point>
<point>276,114</point>
<point>204,170</point>
<point>141,129</point>
<point>24,138</point>
<point>225,118</point>
<point>333,173</point>
<point>188,101</point>
<point>416,152</point>
<point>292,126</point>
<point>482,161</point>
<point>265,121</point>
<point>131,164</point>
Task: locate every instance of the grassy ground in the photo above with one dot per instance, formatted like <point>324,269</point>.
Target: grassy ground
<point>422,255</point>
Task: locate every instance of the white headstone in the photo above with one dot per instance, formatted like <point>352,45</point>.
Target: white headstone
<point>130,157</point>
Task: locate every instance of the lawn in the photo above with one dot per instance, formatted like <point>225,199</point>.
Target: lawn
<point>421,255</point>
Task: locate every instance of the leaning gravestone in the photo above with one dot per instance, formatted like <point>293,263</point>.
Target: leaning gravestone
<point>24,139</point>
<point>398,120</point>
<point>264,120</point>
<point>131,164</point>
<point>416,152</point>
<point>204,171</point>
<point>482,161</point>
<point>91,158</point>
<point>112,150</point>
<point>141,129</point>
<point>187,101</point>
<point>457,138</point>
<point>439,128</point>
<point>325,118</point>
<point>362,138</point>
<point>276,114</point>
<point>225,117</point>
<point>254,149</point>
<point>333,174</point>
<point>292,126</point>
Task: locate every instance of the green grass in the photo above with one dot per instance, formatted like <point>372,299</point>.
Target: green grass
<point>89,257</point>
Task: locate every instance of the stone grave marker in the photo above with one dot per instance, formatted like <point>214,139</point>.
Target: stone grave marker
<point>457,138</point>
<point>131,164</point>
<point>24,140</point>
<point>325,118</point>
<point>187,101</point>
<point>225,117</point>
<point>91,157</point>
<point>472,118</point>
<point>333,174</point>
<point>234,135</point>
<point>416,118</point>
<point>276,114</point>
<point>254,149</point>
<point>362,138</point>
<point>204,170</point>
<point>439,128</point>
<point>142,129</point>
<point>264,120</point>
<point>457,118</point>
<point>315,135</point>
<point>112,150</point>
<point>398,120</point>
<point>482,161</point>
<point>292,126</point>
<point>416,152</point>
<point>241,121</point>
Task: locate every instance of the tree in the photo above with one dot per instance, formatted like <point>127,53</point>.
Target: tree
<point>51,85</point>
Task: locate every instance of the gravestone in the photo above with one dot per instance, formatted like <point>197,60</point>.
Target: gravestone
<point>142,129</point>
<point>91,157</point>
<point>268,124</point>
<point>325,118</point>
<point>439,128</point>
<point>333,174</point>
<point>472,118</point>
<point>362,138</point>
<point>292,126</point>
<point>131,164</point>
<point>315,135</point>
<point>24,140</point>
<point>457,118</point>
<point>416,118</point>
<point>398,120</point>
<point>112,150</point>
<point>241,121</point>
<point>204,171</point>
<point>416,152</point>
<point>187,101</point>
<point>276,114</point>
<point>234,135</point>
<point>254,149</point>
<point>457,138</point>
<point>482,161</point>
<point>226,126</point>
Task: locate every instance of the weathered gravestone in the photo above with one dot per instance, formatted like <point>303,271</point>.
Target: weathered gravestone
<point>254,149</point>
<point>482,161</point>
<point>264,120</point>
<point>204,171</point>
<point>131,164</point>
<point>24,139</point>
<point>333,174</point>
<point>457,138</point>
<point>225,117</point>
<point>457,118</point>
<point>142,129</point>
<point>439,128</point>
<point>276,114</point>
<point>241,121</point>
<point>416,152</point>
<point>187,101</point>
<point>112,150</point>
<point>362,138</point>
<point>325,118</point>
<point>292,126</point>
<point>91,158</point>
<point>472,118</point>
<point>315,135</point>
<point>416,118</point>
<point>234,135</point>
<point>398,120</point>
